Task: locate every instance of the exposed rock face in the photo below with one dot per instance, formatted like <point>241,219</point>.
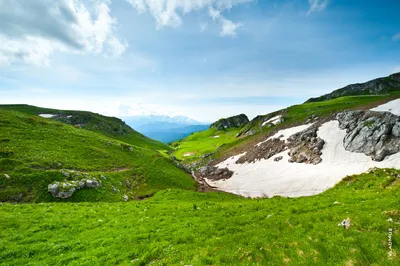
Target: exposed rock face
<point>214,173</point>
<point>375,134</point>
<point>304,147</point>
<point>376,86</point>
<point>65,189</point>
<point>234,121</point>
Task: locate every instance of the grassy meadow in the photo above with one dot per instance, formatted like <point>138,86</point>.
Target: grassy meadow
<point>177,227</point>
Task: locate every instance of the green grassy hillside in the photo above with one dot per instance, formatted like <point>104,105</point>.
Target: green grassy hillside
<point>187,228</point>
<point>34,150</point>
<point>110,126</point>
<point>199,143</point>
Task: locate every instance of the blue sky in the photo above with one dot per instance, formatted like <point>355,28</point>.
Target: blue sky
<point>205,59</point>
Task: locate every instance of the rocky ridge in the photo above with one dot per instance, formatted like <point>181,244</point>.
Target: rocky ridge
<point>374,87</point>
<point>230,122</point>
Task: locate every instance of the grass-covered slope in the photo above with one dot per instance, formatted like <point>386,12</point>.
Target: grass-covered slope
<point>197,144</point>
<point>187,228</point>
<point>110,126</point>
<point>33,150</point>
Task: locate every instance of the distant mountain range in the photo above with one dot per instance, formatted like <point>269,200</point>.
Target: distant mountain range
<point>165,128</point>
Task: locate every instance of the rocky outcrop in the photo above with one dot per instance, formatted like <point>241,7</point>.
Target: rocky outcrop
<point>376,134</point>
<point>234,121</point>
<point>66,189</point>
<point>375,87</point>
<point>214,173</point>
<point>304,147</point>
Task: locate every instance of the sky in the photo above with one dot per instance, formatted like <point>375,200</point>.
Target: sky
<point>204,59</point>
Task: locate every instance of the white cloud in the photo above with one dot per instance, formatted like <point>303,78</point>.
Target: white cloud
<point>169,12</point>
<point>33,31</point>
<point>317,5</point>
<point>396,37</point>
<point>229,28</point>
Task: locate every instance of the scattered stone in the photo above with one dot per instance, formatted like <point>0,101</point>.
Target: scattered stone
<point>337,203</point>
<point>66,189</point>
<point>103,177</point>
<point>278,158</point>
<point>114,189</point>
<point>128,183</point>
<point>345,223</point>
<point>65,173</point>
<point>7,176</point>
<point>125,197</point>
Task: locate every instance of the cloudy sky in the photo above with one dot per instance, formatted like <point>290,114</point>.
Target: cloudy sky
<point>205,59</point>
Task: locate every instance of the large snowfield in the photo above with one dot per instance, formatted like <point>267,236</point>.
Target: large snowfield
<point>267,178</point>
<point>393,107</point>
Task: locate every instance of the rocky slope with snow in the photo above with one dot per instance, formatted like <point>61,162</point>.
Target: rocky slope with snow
<point>311,158</point>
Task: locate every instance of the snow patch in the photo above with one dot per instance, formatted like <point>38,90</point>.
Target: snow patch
<point>215,137</point>
<point>392,106</point>
<point>46,115</point>
<point>274,120</point>
<point>267,178</point>
<point>286,133</point>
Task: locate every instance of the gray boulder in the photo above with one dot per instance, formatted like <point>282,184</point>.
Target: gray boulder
<point>214,173</point>
<point>375,134</point>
